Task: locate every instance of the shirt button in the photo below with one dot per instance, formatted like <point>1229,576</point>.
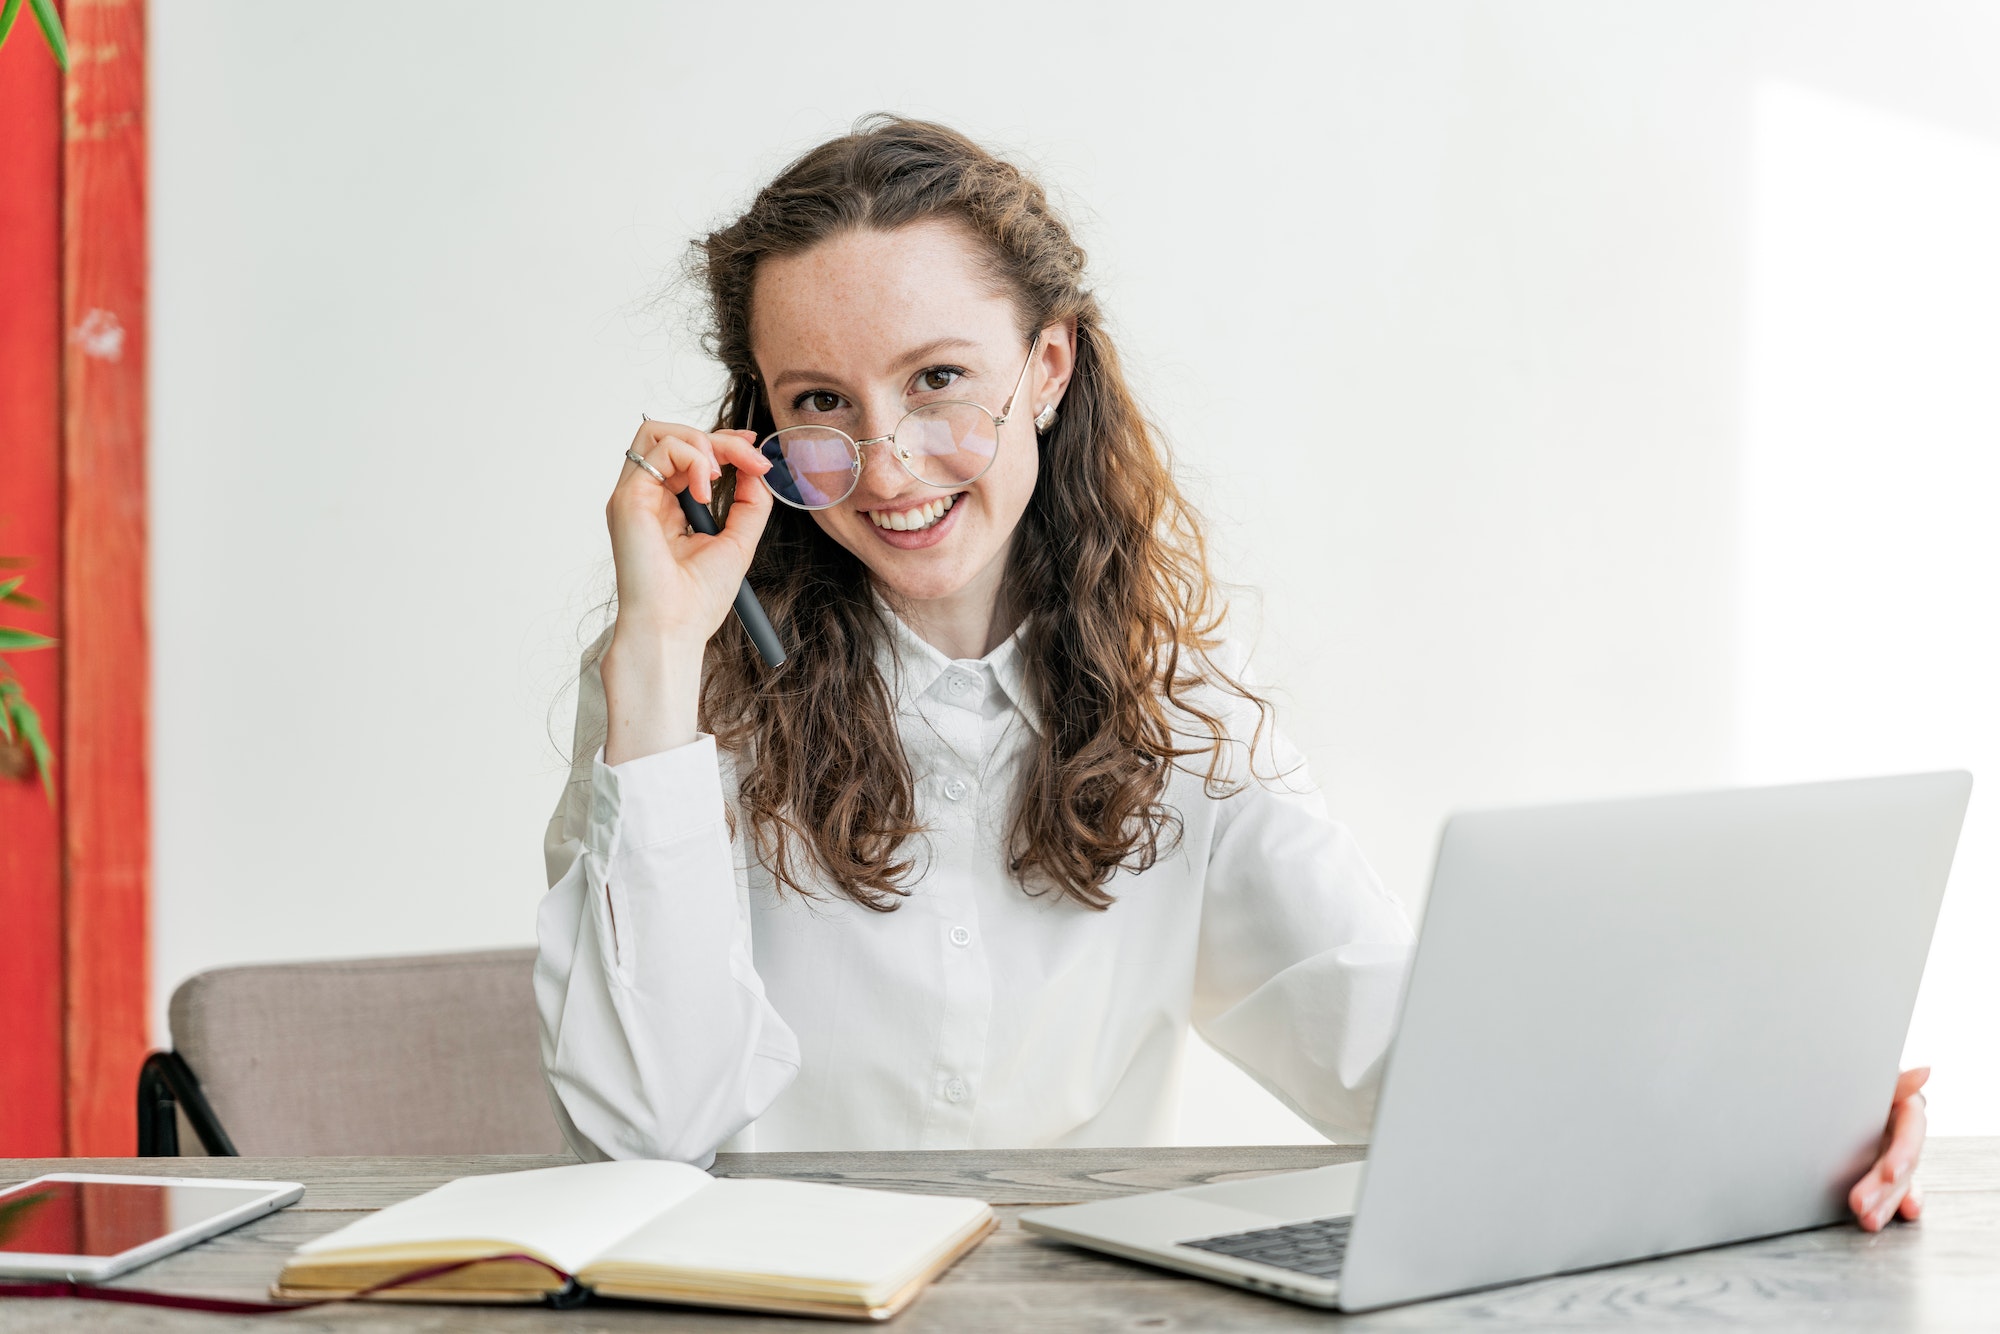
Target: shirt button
<point>955,789</point>
<point>958,685</point>
<point>956,1090</point>
<point>960,937</point>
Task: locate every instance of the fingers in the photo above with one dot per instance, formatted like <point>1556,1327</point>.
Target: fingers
<point>748,513</point>
<point>651,433</point>
<point>1874,1199</point>
<point>684,465</point>
<point>1907,1123</point>
<point>1885,1191</point>
<point>689,466</point>
<point>684,456</point>
<point>740,448</point>
<point>692,460</point>
<point>1910,1081</point>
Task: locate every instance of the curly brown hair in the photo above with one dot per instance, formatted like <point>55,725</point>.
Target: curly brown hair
<point>1108,570</point>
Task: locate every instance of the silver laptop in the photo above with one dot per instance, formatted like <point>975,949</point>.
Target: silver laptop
<point>1631,1028</point>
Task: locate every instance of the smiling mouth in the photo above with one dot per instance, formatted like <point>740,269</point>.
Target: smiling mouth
<point>916,518</point>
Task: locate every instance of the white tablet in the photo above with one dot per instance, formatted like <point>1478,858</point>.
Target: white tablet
<point>85,1227</point>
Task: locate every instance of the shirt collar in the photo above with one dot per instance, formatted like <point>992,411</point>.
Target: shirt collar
<point>912,666</point>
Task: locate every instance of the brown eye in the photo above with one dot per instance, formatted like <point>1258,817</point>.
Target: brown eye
<point>938,377</point>
<point>821,400</point>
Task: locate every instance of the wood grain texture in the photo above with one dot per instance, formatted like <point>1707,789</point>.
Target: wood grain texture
<point>1942,1274</point>
<point>31,882</point>
<point>106,842</point>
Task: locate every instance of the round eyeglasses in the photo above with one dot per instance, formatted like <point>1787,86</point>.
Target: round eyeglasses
<point>942,444</point>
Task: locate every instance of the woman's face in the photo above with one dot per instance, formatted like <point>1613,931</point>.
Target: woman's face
<point>862,328</point>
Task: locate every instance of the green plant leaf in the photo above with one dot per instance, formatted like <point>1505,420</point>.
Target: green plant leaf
<point>9,692</point>
<point>22,600</point>
<point>7,17</point>
<point>12,639</point>
<point>8,593</point>
<point>29,724</point>
<point>52,30</point>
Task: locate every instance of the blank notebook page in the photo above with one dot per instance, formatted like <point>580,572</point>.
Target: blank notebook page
<point>567,1214</point>
<point>794,1229</point>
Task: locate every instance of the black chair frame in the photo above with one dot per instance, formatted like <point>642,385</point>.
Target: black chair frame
<point>166,1083</point>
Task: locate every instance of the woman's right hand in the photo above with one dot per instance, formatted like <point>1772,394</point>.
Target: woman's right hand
<point>675,586</point>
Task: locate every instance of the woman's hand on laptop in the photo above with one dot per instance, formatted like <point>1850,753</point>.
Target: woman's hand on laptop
<point>1886,1190</point>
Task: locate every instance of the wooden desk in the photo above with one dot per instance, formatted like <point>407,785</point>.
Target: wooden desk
<point>1941,1274</point>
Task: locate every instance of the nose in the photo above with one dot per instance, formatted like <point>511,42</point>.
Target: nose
<point>882,477</point>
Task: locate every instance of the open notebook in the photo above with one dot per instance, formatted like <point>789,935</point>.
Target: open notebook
<point>654,1231</point>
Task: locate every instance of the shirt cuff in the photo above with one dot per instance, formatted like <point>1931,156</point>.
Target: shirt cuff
<point>654,799</point>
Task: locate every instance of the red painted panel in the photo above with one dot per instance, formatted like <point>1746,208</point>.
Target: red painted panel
<point>106,660</point>
<point>31,1038</point>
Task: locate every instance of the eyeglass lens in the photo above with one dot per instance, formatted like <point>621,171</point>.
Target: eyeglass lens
<point>943,444</point>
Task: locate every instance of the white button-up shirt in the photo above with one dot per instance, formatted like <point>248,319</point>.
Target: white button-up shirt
<point>689,1004</point>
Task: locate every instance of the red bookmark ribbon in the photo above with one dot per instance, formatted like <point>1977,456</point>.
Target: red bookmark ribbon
<point>568,1296</point>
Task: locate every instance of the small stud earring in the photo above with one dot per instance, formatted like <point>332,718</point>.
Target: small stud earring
<point>1045,419</point>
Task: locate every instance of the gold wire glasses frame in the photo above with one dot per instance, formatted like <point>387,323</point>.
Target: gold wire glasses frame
<point>817,467</point>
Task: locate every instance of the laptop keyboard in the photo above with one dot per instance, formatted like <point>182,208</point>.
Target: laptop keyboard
<point>1315,1247</point>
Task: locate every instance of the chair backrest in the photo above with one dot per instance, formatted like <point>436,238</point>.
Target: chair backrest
<point>422,1054</point>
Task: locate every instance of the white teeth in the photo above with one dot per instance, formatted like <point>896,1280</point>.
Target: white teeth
<point>913,519</point>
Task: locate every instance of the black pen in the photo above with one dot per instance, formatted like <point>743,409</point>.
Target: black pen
<point>748,610</point>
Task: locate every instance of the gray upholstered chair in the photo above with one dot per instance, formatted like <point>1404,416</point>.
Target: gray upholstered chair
<point>423,1054</point>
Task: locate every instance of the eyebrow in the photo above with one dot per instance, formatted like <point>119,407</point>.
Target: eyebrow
<point>921,352</point>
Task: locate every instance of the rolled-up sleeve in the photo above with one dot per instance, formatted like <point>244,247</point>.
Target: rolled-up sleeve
<point>657,1038</point>
<point>1302,954</point>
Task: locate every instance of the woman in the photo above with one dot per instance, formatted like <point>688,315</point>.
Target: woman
<point>963,870</point>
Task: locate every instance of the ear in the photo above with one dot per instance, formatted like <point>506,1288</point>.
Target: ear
<point>1055,359</point>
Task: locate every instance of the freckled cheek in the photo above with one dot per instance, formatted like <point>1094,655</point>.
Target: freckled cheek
<point>1012,483</point>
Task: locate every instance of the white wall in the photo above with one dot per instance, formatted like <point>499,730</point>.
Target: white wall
<point>1513,285</point>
